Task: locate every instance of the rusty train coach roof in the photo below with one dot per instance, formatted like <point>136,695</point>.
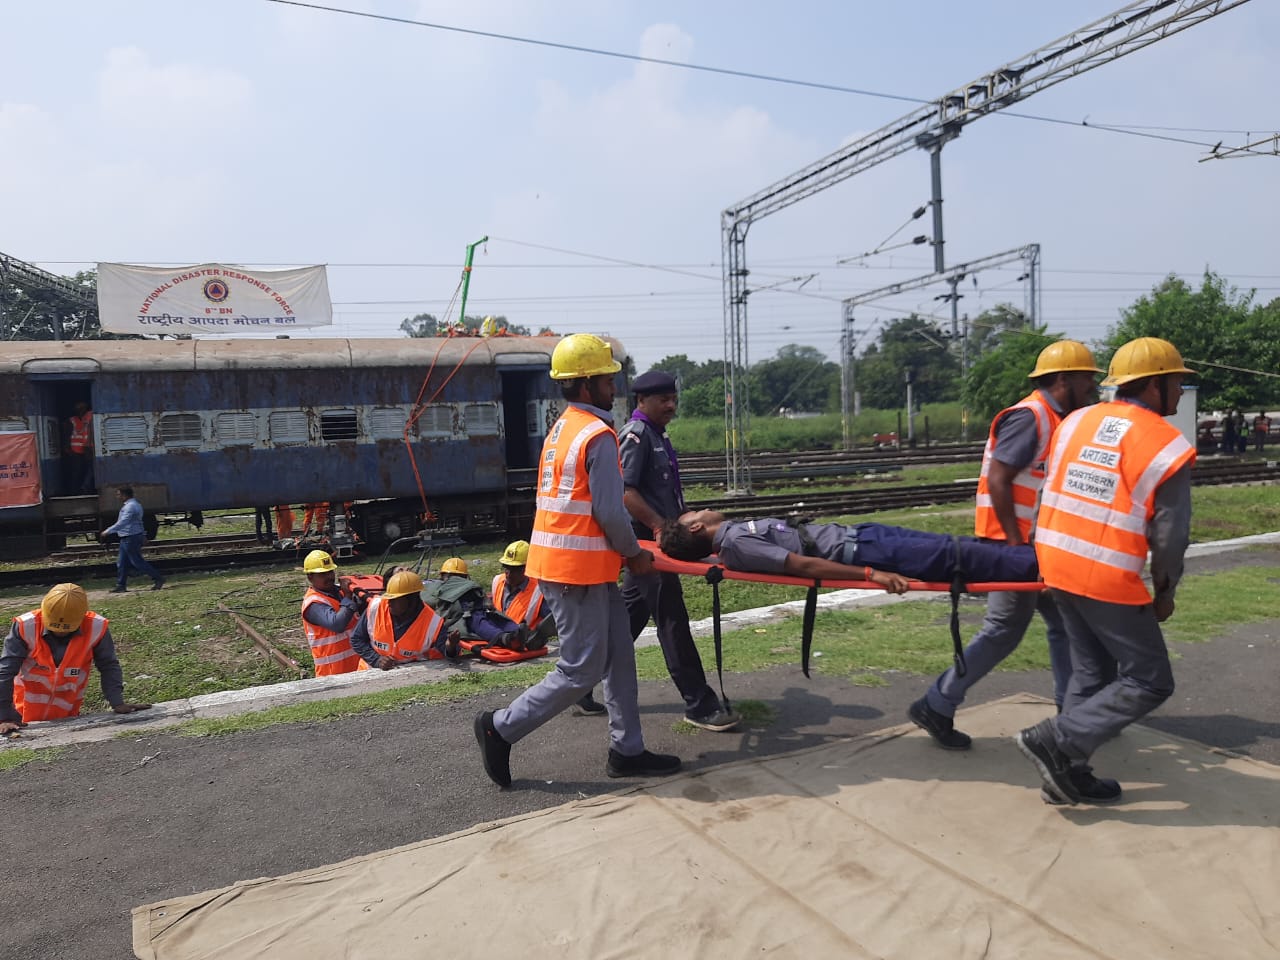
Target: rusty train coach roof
<point>122,356</point>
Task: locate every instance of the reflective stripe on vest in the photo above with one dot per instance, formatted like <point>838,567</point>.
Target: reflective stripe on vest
<point>1027,483</point>
<point>43,690</point>
<point>1091,534</point>
<point>525,607</point>
<point>422,641</point>
<point>567,544</point>
<point>79,442</point>
<point>330,651</point>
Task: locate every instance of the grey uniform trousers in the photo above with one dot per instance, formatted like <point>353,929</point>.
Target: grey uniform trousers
<point>595,642</point>
<point>1121,671</point>
<point>1009,613</point>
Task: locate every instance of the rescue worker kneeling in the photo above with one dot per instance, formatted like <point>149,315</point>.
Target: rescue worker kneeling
<point>47,656</point>
<point>329,614</point>
<point>398,627</point>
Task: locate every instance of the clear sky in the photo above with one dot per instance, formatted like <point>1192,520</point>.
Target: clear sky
<point>250,132</point>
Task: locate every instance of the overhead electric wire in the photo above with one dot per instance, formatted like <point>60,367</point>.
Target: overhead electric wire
<point>728,72</point>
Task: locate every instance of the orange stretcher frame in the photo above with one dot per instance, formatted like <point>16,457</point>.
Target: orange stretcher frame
<point>714,572</point>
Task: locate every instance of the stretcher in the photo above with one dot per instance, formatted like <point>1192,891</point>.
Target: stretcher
<point>715,572</point>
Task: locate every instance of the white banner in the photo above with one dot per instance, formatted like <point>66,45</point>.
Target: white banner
<point>211,298</point>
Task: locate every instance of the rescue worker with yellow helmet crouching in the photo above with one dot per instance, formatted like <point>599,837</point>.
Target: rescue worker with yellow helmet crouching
<point>398,627</point>
<point>1013,462</point>
<point>329,614</point>
<point>47,657</point>
<point>581,537</point>
<point>516,594</point>
<point>1118,487</point>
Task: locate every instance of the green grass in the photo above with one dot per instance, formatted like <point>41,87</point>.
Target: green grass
<point>20,756</point>
<point>174,645</point>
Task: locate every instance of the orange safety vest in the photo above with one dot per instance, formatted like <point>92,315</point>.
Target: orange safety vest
<point>568,545</point>
<point>1028,481</point>
<point>331,651</point>
<point>81,432</point>
<point>525,607</point>
<point>43,690</point>
<point>1091,533</point>
<point>422,641</point>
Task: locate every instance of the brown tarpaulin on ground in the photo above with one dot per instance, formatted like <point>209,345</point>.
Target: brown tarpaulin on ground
<point>881,846</point>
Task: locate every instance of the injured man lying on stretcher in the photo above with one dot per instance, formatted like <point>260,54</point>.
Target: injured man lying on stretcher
<point>881,554</point>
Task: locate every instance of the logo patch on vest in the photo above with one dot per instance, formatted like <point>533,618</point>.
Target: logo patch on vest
<point>1112,430</point>
<point>1091,484</point>
<point>72,672</point>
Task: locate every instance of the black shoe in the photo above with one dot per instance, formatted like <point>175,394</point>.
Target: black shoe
<point>494,751</point>
<point>1037,745</point>
<point>158,584</point>
<point>1095,790</point>
<point>118,590</point>
<point>720,721</point>
<point>644,764</point>
<point>588,706</point>
<point>941,728</point>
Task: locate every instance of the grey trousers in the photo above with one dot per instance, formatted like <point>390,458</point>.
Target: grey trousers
<point>1121,671</point>
<point>595,643</point>
<point>1009,613</point>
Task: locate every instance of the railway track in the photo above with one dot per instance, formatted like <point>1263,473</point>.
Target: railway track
<point>211,553</point>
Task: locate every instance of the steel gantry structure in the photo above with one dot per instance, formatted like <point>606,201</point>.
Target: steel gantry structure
<point>19,273</point>
<point>929,127</point>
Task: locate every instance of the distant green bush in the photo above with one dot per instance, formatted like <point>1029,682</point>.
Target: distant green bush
<point>936,423</point>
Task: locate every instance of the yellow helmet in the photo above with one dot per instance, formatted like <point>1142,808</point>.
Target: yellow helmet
<point>582,355</point>
<point>454,565</point>
<point>63,608</point>
<point>318,561</point>
<point>402,584</point>
<point>1144,357</point>
<point>516,554</point>
<point>1063,356</point>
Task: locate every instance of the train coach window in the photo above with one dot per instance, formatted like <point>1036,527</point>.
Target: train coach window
<point>387,423</point>
<point>338,425</point>
<point>181,430</point>
<point>436,421</point>
<point>288,426</point>
<point>481,419</point>
<point>124,433</point>
<point>230,429</point>
<point>13,426</point>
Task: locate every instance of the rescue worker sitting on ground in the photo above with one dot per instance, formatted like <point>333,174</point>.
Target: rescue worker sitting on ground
<point>47,657</point>
<point>398,627</point>
<point>885,555</point>
<point>519,597</point>
<point>329,614</point>
<point>462,603</point>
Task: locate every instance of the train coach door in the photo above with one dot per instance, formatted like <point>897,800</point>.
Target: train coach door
<point>56,403</point>
<point>524,431</point>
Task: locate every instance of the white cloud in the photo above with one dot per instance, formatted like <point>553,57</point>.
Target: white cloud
<point>186,97</point>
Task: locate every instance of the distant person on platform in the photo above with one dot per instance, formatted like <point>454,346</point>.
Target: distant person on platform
<point>128,527</point>
<point>261,523</point>
<point>329,615</point>
<point>1261,427</point>
<point>80,450</point>
<point>47,658</point>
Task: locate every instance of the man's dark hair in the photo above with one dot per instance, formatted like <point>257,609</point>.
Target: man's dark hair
<point>569,388</point>
<point>128,492</point>
<point>680,543</point>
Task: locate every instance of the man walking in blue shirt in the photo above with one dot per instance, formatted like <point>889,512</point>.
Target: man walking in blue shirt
<point>128,527</point>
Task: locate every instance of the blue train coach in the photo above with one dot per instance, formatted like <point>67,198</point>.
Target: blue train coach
<point>195,425</point>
